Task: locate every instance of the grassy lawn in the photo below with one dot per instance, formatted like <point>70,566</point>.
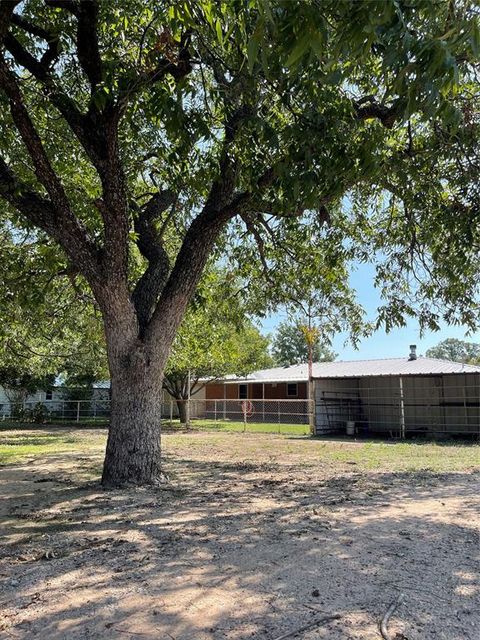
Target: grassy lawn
<point>250,427</point>
<point>225,425</point>
<point>208,440</point>
<point>413,455</point>
<point>25,442</point>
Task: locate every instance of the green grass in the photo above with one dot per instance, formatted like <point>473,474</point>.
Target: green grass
<point>212,442</point>
<point>250,427</point>
<point>15,445</point>
<point>413,455</point>
<point>8,425</point>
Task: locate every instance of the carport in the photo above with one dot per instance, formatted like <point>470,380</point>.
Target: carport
<point>397,397</point>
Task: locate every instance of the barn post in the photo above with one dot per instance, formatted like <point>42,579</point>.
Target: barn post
<point>402,410</point>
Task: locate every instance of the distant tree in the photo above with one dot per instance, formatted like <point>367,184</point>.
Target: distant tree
<point>456,350</point>
<point>80,386</point>
<point>215,339</point>
<point>290,346</point>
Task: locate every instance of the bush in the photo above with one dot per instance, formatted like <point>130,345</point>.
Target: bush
<point>38,414</point>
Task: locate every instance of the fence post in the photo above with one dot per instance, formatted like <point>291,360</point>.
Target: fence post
<point>215,411</point>
<point>171,413</point>
<point>402,410</point>
<point>78,410</point>
<point>244,406</point>
<point>311,406</point>
<point>187,407</point>
<point>94,410</point>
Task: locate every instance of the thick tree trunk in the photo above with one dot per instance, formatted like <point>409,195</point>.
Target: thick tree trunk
<point>136,374</point>
<point>133,446</point>
<point>137,360</point>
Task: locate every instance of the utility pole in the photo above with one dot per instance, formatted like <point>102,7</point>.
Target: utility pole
<point>311,334</point>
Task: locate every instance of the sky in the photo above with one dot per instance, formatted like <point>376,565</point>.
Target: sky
<point>381,344</point>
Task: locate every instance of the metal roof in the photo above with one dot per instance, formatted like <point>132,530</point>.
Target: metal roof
<point>101,384</point>
<point>359,369</point>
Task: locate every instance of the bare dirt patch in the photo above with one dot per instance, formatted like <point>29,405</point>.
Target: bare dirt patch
<point>254,536</point>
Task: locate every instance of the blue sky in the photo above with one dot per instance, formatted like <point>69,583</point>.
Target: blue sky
<point>381,345</point>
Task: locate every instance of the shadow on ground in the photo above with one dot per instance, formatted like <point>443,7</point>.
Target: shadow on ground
<point>234,550</point>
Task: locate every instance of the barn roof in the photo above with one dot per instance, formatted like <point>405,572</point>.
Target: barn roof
<point>359,369</point>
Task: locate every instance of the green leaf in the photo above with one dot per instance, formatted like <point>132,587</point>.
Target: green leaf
<point>218,30</point>
<point>254,43</point>
<point>298,51</point>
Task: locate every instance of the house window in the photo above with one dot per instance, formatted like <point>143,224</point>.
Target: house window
<point>243,391</point>
<point>292,389</point>
<point>49,395</point>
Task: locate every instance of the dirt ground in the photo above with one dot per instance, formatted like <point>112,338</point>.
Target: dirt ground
<point>255,536</point>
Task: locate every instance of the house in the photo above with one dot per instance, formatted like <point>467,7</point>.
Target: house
<point>59,401</point>
<point>387,396</point>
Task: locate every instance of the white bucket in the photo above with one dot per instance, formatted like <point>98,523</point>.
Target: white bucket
<point>350,428</point>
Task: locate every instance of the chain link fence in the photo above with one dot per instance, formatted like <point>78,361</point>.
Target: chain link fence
<point>250,415</point>
<point>56,411</point>
<point>237,415</point>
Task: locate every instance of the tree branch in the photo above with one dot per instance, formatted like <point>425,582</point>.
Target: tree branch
<point>31,139</point>
<point>50,37</point>
<point>220,206</point>
<point>368,109</point>
<point>87,41</point>
<point>178,68</point>
<point>68,5</point>
<point>149,286</point>
<point>63,226</point>
<point>96,131</point>
<point>7,8</point>
<point>251,228</point>
<point>82,125</point>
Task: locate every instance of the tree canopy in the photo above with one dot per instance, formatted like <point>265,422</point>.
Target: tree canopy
<point>456,350</point>
<point>293,136</point>
<point>375,100</point>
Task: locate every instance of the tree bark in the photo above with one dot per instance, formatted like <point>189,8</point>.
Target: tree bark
<point>133,446</point>
<point>136,374</point>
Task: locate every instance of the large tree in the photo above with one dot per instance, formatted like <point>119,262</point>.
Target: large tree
<point>456,350</point>
<point>238,126</point>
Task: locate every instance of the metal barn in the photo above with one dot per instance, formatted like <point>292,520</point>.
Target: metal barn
<point>397,397</point>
